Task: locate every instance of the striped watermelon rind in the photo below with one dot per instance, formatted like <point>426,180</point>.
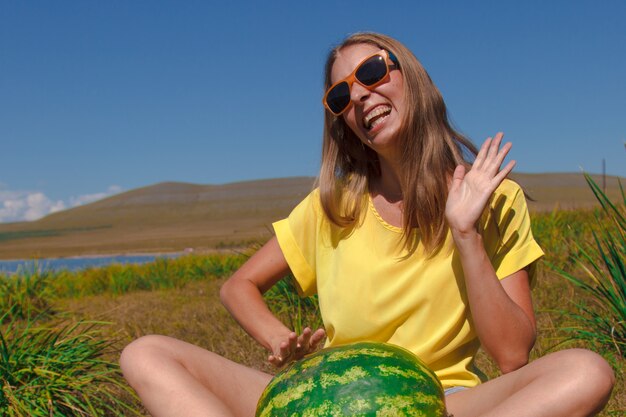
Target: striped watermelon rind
<point>362,379</point>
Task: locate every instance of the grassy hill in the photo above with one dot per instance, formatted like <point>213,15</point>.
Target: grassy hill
<point>165,217</point>
<point>170,217</point>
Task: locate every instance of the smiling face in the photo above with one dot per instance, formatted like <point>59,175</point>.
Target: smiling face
<point>375,116</point>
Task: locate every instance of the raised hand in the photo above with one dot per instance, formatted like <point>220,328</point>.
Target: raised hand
<point>469,192</point>
<point>295,347</point>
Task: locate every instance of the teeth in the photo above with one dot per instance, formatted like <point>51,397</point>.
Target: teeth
<point>376,122</point>
<point>372,117</point>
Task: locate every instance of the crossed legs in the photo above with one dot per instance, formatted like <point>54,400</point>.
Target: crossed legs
<point>175,378</point>
<point>569,383</point>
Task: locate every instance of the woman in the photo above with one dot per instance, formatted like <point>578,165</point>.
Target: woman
<point>405,242</point>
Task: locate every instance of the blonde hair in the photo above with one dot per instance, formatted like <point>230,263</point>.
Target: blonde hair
<point>430,148</point>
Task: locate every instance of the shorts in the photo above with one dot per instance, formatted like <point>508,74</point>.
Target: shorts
<point>452,390</point>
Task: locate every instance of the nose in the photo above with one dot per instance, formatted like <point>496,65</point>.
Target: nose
<point>358,93</point>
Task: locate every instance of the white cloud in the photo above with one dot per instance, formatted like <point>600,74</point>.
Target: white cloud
<point>22,205</point>
<point>26,205</point>
<point>38,205</point>
<point>90,198</point>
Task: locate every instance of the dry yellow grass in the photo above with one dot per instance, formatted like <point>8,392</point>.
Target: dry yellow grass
<point>192,313</point>
<point>565,191</point>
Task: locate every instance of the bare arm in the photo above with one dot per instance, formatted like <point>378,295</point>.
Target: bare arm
<point>501,310</point>
<point>242,295</point>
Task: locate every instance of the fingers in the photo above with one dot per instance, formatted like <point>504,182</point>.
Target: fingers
<point>309,341</point>
<point>317,337</point>
<point>497,154</point>
<point>457,177</point>
<point>285,349</point>
<point>275,361</point>
<point>492,155</point>
<point>295,347</point>
<point>302,347</point>
<point>482,154</point>
<point>495,146</point>
<point>505,171</point>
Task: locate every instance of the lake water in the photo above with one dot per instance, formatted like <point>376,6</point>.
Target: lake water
<point>75,264</point>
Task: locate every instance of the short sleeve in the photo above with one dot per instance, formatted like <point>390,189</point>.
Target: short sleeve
<point>297,237</point>
<point>508,235</point>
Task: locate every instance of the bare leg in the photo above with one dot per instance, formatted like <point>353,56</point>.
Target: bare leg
<point>570,383</point>
<point>175,378</point>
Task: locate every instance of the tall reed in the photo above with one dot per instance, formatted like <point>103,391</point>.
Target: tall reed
<point>601,276</point>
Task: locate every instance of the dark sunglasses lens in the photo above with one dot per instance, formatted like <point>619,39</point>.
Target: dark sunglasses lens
<point>338,98</point>
<point>372,71</point>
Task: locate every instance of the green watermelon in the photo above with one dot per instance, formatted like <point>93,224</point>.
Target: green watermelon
<point>361,379</point>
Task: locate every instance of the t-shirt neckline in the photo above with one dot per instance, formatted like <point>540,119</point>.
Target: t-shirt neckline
<point>382,221</point>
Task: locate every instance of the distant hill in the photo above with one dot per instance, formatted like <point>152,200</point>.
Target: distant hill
<point>171,216</point>
<point>165,217</point>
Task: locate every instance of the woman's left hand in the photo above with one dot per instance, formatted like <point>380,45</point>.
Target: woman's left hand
<point>469,192</point>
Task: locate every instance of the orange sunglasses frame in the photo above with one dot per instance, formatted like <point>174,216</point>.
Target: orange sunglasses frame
<point>350,79</point>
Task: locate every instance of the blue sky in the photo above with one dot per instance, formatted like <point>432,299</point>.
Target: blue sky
<point>98,97</point>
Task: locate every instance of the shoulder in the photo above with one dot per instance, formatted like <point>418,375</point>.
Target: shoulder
<point>507,205</point>
<point>310,205</point>
<point>314,198</point>
<point>508,188</point>
<point>509,194</point>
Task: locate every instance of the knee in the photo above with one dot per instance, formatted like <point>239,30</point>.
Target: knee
<point>142,356</point>
<point>591,372</point>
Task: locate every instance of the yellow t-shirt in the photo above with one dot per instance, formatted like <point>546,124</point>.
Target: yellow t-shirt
<point>369,290</point>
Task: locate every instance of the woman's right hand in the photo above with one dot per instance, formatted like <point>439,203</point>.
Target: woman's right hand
<point>293,347</point>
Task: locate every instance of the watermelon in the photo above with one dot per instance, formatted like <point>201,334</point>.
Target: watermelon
<point>360,379</point>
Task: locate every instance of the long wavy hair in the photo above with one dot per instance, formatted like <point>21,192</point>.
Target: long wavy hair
<point>430,148</point>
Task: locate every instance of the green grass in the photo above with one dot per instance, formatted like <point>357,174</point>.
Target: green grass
<point>26,293</point>
<point>295,311</point>
<point>555,231</point>
<point>163,273</point>
<point>59,371</point>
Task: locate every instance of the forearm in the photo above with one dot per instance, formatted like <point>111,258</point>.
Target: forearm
<point>242,295</point>
<point>505,330</point>
<point>245,303</point>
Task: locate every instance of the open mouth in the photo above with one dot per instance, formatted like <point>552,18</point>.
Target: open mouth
<point>376,116</point>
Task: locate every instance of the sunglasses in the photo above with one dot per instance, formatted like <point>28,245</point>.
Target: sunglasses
<point>370,72</point>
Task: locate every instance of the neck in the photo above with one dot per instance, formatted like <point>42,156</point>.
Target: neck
<point>388,185</point>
